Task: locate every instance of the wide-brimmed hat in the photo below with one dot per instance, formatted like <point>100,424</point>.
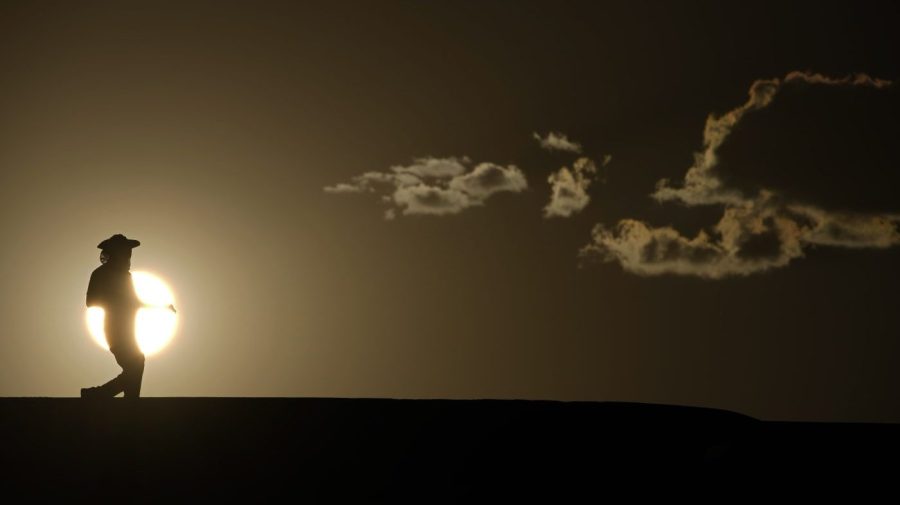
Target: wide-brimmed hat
<point>118,242</point>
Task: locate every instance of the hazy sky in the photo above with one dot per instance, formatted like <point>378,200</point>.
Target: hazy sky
<point>463,199</point>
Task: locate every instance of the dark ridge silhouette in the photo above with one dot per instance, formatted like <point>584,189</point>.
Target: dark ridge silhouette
<point>427,450</point>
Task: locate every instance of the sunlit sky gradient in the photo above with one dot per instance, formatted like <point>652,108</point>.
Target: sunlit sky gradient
<point>210,130</point>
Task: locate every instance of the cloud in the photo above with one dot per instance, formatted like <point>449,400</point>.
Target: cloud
<point>435,186</point>
<point>487,178</point>
<point>433,200</point>
<point>568,194</point>
<point>753,237</point>
<point>754,234</point>
<point>878,231</point>
<point>701,186</point>
<point>434,167</point>
<point>852,80</point>
<point>555,141</point>
<point>365,183</point>
<point>749,238</point>
<point>343,188</point>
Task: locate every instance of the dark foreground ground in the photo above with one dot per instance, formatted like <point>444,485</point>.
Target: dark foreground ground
<point>424,450</point>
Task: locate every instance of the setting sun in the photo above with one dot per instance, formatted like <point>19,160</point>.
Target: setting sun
<point>154,326</point>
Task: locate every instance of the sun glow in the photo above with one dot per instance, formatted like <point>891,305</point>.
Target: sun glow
<point>154,326</point>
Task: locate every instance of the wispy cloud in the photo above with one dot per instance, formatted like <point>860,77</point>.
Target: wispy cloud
<point>701,185</point>
<point>569,188</point>
<point>755,233</point>
<point>555,141</point>
<point>435,186</point>
<point>752,237</point>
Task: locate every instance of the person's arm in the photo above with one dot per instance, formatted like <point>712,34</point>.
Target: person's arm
<point>150,306</point>
<point>141,305</point>
<point>94,298</point>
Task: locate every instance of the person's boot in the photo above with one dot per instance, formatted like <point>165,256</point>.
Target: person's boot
<point>93,393</point>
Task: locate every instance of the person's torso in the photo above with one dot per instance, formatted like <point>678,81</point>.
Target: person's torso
<point>114,291</point>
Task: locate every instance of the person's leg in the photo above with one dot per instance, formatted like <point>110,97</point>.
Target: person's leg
<point>112,387</point>
<point>128,382</point>
<point>134,374</point>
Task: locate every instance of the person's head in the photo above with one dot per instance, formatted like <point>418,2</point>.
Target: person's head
<point>116,257</point>
<point>116,251</point>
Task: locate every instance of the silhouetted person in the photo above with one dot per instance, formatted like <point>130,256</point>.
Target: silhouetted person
<point>111,289</point>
